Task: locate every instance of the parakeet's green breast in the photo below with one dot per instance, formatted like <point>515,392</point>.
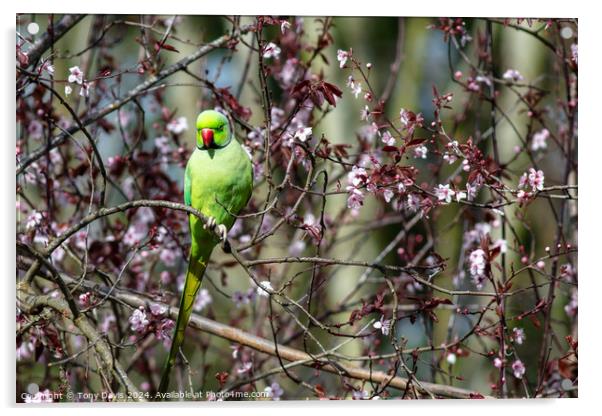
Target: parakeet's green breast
<point>218,182</point>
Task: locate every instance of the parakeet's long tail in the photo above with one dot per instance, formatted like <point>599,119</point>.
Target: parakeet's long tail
<point>194,277</point>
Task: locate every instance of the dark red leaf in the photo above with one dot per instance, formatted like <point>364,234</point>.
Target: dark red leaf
<point>333,89</point>
<point>414,142</point>
<point>390,149</point>
<point>300,86</point>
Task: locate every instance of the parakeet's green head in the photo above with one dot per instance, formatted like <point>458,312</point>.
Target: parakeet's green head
<point>212,130</point>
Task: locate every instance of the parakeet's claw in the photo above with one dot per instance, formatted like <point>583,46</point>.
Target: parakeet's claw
<point>222,231</point>
<point>210,224</point>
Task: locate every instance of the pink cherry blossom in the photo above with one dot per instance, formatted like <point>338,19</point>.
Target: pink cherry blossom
<point>536,179</point>
<point>471,191</point>
<point>518,368</point>
<point>444,193</point>
<point>388,195</point>
<point>355,199</point>
<point>360,395</point>
<point>571,308</point>
<point>245,367</point>
<point>404,117</point>
<point>356,89</point>
<point>168,256</point>
<point>518,334</point>
<point>502,244</point>
<point>365,113</point>
<point>35,129</point>
<point>157,310</point>
<point>566,272</point>
<point>84,91</point>
<point>162,143</point>
<point>271,50</point>
<point>574,48</point>
<point>512,75</point>
<point>342,57</point>
<point>303,133</point>
<point>357,176</point>
<point>450,158</point>
<point>388,139</point>
<point>288,75</point>
<point>539,140</point>
<point>473,85</point>
<point>384,325</point>
<point>522,196</point>
<point>533,178</point>
<point>34,219</point>
<point>202,300</point>
<point>177,125</point>
<point>274,391</point>
<point>284,26</point>
<point>477,267</point>
<point>413,202</point>
<point>75,75</point>
<point>420,152</point>
<point>84,299</point>
<point>138,320</point>
<point>163,330</point>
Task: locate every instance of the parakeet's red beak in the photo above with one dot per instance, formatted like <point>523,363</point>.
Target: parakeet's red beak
<point>207,135</point>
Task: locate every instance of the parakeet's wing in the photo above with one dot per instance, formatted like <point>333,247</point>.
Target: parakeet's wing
<point>187,185</point>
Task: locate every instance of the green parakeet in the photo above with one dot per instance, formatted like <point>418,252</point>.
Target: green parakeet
<point>218,182</point>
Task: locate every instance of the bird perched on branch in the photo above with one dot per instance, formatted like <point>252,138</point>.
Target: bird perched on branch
<point>218,182</point>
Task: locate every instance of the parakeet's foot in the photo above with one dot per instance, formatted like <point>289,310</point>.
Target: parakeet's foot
<point>220,229</point>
